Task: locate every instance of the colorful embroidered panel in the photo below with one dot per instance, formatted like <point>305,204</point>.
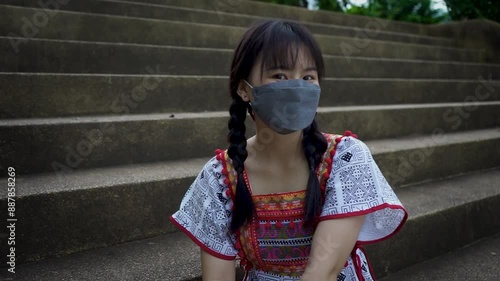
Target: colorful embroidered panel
<point>280,244</point>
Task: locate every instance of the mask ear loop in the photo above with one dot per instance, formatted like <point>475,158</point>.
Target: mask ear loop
<point>251,87</point>
<point>249,104</point>
<point>250,110</point>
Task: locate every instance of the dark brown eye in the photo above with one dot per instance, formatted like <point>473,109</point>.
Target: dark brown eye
<point>308,77</point>
<point>279,76</point>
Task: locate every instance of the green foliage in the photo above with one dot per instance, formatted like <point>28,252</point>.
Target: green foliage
<point>461,9</point>
<point>418,11</point>
<point>332,5</point>
<point>298,3</point>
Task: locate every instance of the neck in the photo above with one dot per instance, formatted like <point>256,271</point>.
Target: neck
<point>272,147</point>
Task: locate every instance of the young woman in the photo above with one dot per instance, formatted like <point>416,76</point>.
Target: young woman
<point>291,202</point>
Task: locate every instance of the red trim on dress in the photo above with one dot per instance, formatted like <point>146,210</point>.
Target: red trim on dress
<point>200,243</point>
<point>329,163</point>
<point>254,225</point>
<point>359,244</point>
<point>370,268</point>
<point>356,260</point>
<point>221,156</point>
<point>329,160</point>
<point>358,266</point>
<point>371,210</point>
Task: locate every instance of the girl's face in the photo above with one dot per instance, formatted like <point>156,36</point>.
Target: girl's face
<point>304,68</point>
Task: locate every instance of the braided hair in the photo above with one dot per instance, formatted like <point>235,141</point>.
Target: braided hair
<point>315,145</point>
<point>244,208</point>
<point>277,41</point>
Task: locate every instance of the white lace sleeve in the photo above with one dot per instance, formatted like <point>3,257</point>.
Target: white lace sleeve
<point>356,186</point>
<point>204,213</point>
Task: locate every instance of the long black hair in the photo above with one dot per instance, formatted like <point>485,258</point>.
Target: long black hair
<point>278,41</point>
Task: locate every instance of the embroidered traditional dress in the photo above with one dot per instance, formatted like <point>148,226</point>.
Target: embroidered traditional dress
<point>276,245</point>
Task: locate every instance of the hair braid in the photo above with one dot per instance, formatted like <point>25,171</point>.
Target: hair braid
<point>237,151</point>
<point>315,145</point>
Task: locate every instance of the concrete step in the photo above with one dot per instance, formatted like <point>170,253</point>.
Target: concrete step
<point>98,141</point>
<point>444,215</point>
<point>47,55</point>
<point>120,29</point>
<point>476,261</point>
<point>459,209</point>
<point>74,210</point>
<point>101,94</point>
<point>478,32</point>
<point>187,16</point>
<point>261,9</point>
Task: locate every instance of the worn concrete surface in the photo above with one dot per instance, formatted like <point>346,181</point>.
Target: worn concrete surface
<point>477,261</point>
<point>140,138</point>
<point>179,23</point>
<point>63,56</point>
<point>95,94</point>
<point>175,257</point>
<point>251,8</point>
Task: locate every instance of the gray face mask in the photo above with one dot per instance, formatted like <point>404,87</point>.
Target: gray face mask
<point>286,106</point>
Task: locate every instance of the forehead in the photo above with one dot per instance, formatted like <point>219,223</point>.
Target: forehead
<point>291,58</point>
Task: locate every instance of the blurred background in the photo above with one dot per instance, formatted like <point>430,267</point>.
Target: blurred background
<point>419,11</point>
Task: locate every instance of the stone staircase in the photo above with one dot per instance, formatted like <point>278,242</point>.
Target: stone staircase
<point>110,108</point>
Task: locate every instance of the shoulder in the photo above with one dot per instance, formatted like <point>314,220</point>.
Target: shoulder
<point>210,173</point>
<point>219,166</point>
<point>351,145</point>
<point>340,143</point>
<point>333,138</point>
<point>212,166</point>
<point>212,181</point>
<point>345,152</point>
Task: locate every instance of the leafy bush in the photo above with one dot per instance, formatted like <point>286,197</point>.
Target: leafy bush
<point>419,11</point>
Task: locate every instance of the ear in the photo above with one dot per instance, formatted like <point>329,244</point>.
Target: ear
<point>244,91</point>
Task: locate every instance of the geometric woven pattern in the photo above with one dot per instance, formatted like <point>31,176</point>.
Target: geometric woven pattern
<point>355,186</point>
<point>204,212</point>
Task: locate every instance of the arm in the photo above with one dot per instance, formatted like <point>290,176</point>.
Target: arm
<point>332,243</point>
<point>216,269</point>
